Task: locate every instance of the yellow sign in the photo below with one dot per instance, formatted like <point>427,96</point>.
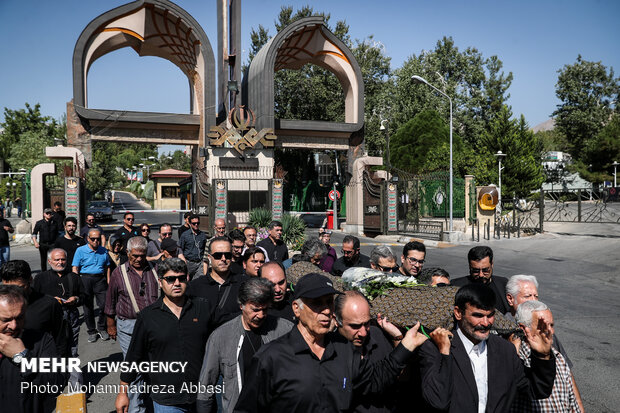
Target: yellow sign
<point>241,119</point>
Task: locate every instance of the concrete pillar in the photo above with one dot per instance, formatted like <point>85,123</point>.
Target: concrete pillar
<point>64,152</point>
<point>355,194</point>
<point>36,188</point>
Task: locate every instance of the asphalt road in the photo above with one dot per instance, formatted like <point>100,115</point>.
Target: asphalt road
<point>577,268</point>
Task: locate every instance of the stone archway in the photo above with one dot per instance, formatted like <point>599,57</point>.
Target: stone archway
<point>152,28</point>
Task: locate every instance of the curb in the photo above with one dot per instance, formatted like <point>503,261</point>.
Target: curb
<point>427,242</point>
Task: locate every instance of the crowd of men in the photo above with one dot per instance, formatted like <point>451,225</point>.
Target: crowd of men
<point>220,304</point>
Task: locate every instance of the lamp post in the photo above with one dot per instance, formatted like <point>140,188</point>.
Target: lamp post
<point>420,79</point>
<point>387,140</point>
<point>500,155</point>
<point>615,164</point>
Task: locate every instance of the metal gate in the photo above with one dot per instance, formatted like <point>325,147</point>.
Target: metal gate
<point>373,195</point>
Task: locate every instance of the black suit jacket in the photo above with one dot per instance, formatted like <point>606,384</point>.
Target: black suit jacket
<point>497,284</point>
<point>448,382</point>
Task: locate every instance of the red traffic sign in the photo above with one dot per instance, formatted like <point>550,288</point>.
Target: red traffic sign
<point>333,194</point>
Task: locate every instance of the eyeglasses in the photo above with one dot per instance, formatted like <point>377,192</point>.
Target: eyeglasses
<point>129,219</point>
<point>166,234</point>
<point>90,220</point>
<point>345,252</point>
<point>171,279</point>
<point>388,269</point>
<point>195,222</point>
<point>219,255</point>
<point>486,270</point>
<point>94,239</point>
<point>146,230</point>
<point>413,260</point>
<point>143,287</point>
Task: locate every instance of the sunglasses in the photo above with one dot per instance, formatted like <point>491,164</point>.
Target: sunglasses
<point>129,219</point>
<point>388,269</point>
<point>195,223</point>
<point>171,279</point>
<point>480,270</point>
<point>166,234</point>
<point>94,239</point>
<point>348,252</point>
<point>219,255</point>
<point>146,230</point>
<point>413,260</point>
<point>142,288</point>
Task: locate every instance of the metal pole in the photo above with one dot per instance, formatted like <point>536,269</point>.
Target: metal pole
<point>499,189</point>
<point>451,223</point>
<point>336,193</point>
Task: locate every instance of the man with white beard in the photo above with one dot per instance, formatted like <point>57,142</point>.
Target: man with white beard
<point>67,288</point>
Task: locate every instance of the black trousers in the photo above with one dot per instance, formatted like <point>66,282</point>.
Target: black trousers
<point>43,249</point>
<point>95,287</point>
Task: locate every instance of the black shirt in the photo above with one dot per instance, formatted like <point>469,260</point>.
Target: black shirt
<point>47,230</point>
<point>45,314</point>
<point>286,376</point>
<point>376,348</point>
<point>68,285</point>
<point>252,342</point>
<point>341,266</point>
<point>223,297</point>
<point>181,230</point>
<point>276,252</point>
<point>237,267</point>
<point>86,228</point>
<point>124,234</point>
<point>69,245</point>
<point>283,309</point>
<point>160,336</point>
<point>13,398</point>
<point>59,218</point>
<point>4,235</point>
<point>497,284</point>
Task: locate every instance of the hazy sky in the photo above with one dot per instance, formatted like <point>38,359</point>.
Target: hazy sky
<point>533,38</point>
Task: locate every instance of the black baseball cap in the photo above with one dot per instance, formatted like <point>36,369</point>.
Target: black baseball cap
<point>169,245</point>
<point>314,285</point>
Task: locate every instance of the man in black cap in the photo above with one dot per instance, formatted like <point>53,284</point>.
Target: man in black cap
<point>332,373</point>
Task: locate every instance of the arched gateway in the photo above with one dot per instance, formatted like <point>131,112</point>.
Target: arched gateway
<point>238,151</point>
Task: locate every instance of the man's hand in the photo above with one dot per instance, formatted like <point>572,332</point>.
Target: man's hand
<point>111,324</point>
<point>122,402</point>
<point>441,337</point>
<point>8,229</point>
<point>72,300</point>
<point>413,339</point>
<point>10,346</point>
<point>36,244</point>
<point>389,328</point>
<point>539,337</point>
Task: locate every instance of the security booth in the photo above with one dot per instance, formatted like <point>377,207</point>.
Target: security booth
<point>167,189</point>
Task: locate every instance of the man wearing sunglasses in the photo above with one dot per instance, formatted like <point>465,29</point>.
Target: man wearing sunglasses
<point>351,256</point>
<point>173,329</point>
<point>481,272</point>
<point>155,250</point>
<point>383,259</point>
<point>414,254</point>
<point>127,230</point>
<point>219,285</point>
<point>192,244</point>
<point>133,287</point>
<point>92,262</point>
<point>90,224</point>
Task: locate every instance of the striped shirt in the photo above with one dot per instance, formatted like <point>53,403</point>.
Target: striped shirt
<point>118,303</point>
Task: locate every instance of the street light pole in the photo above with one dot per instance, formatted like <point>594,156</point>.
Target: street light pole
<point>387,140</point>
<point>420,79</point>
<point>615,164</point>
<point>500,155</point>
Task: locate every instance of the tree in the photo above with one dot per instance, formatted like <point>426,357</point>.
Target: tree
<point>523,171</point>
<point>587,91</point>
<point>39,131</point>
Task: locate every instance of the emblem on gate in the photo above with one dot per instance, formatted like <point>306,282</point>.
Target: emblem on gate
<point>241,119</point>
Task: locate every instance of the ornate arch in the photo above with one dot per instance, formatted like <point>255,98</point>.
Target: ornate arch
<point>305,41</point>
<point>152,28</point>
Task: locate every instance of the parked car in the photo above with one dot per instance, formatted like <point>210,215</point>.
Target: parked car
<point>101,209</point>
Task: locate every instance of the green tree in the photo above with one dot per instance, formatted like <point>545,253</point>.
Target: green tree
<point>587,91</point>
<point>96,180</point>
<point>178,160</point>
<point>522,165</point>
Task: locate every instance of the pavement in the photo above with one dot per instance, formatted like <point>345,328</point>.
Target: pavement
<point>577,268</point>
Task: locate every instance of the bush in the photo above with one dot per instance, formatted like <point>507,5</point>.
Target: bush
<point>293,231</point>
<point>260,217</point>
<point>149,190</point>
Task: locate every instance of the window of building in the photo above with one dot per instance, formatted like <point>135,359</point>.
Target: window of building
<point>244,201</point>
<point>169,191</point>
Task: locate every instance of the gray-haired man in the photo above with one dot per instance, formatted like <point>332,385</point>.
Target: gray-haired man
<point>383,259</point>
<point>232,346</point>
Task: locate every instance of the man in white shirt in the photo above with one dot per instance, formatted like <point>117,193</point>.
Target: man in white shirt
<point>480,372</point>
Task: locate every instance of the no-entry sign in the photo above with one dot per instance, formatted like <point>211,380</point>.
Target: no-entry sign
<point>333,194</point>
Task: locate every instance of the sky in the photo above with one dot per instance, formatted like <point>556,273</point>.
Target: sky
<point>534,39</point>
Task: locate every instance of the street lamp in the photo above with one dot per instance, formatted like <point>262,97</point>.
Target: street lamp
<point>419,79</point>
<point>615,164</point>
<point>387,140</point>
<point>500,155</point>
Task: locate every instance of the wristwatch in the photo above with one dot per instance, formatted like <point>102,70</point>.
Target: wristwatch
<point>17,358</point>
